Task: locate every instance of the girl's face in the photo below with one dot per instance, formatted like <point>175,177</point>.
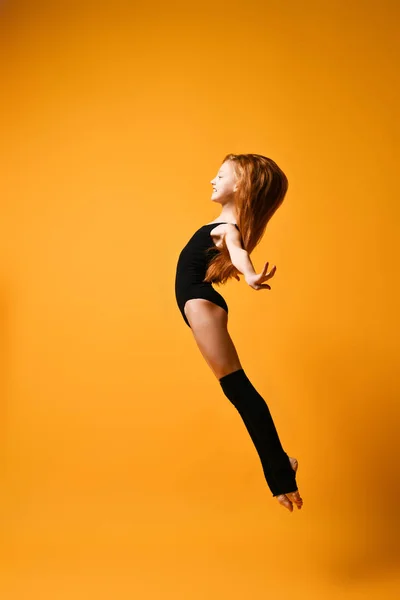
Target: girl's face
<point>225,182</point>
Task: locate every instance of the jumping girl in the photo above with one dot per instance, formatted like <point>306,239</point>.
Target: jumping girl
<point>249,188</point>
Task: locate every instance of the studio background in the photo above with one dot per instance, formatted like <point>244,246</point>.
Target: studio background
<point>126,473</point>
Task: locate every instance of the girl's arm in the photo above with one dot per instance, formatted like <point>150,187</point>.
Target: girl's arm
<point>241,260</point>
<point>239,256</point>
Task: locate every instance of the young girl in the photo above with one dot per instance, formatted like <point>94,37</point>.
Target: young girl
<point>249,188</point>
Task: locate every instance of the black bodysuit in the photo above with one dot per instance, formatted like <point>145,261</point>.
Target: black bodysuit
<point>191,270</point>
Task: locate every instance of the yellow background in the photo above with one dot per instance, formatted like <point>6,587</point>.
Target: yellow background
<point>126,472</point>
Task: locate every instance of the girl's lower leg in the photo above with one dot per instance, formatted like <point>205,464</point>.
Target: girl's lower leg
<point>278,471</point>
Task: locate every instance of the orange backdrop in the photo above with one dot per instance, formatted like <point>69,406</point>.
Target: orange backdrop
<point>126,472</point>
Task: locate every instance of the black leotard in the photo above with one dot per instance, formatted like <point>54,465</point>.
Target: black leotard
<point>191,270</point>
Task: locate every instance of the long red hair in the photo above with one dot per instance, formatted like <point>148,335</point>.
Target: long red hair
<point>262,186</point>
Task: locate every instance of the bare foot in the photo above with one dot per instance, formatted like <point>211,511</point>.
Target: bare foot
<point>287,500</point>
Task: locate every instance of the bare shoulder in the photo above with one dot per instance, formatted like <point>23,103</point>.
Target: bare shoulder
<point>227,231</point>
<point>223,228</point>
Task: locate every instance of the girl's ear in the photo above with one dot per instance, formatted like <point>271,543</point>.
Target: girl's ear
<point>237,185</point>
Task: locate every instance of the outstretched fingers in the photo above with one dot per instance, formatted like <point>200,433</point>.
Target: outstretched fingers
<point>271,273</point>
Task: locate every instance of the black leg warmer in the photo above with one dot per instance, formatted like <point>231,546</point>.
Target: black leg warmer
<point>278,472</point>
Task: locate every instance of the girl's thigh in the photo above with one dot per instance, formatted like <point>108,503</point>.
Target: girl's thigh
<point>209,325</point>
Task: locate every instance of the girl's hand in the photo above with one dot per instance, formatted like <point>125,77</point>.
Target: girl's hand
<point>255,280</point>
